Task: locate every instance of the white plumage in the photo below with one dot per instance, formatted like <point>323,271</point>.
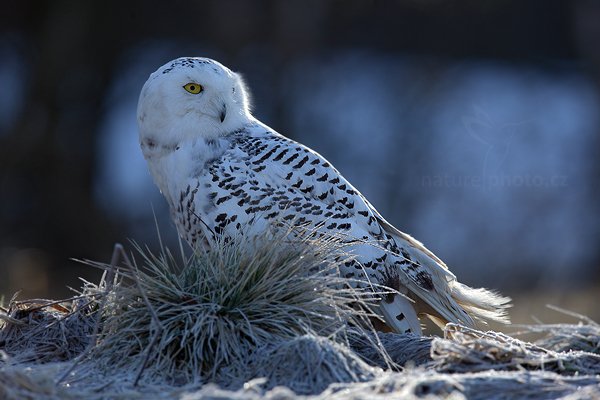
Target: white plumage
<point>220,169</point>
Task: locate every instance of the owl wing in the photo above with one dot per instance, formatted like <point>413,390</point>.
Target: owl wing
<point>265,177</point>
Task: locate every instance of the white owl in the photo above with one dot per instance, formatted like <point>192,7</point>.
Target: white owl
<point>220,169</point>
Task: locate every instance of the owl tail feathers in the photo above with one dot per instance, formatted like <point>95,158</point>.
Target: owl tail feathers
<point>400,315</point>
<point>482,305</point>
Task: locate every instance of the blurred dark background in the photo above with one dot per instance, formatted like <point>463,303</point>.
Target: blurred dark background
<point>473,125</point>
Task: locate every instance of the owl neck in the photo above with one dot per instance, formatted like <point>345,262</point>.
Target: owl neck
<point>175,166</point>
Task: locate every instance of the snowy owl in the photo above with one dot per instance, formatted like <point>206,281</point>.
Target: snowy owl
<point>221,169</point>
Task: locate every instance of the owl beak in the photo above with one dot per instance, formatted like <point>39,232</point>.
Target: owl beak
<point>223,113</point>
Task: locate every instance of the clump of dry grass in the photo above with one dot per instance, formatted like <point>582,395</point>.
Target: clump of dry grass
<point>306,364</point>
<point>42,331</point>
<point>188,320</point>
<point>583,336</point>
<point>470,350</point>
<point>403,350</point>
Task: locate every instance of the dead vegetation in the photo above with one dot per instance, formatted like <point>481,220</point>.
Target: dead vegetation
<point>266,324</point>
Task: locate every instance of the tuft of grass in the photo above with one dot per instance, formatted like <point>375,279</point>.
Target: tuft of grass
<point>42,331</point>
<point>187,320</point>
<point>583,336</point>
<point>470,350</point>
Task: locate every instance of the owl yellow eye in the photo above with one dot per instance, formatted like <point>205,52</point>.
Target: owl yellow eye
<point>193,88</point>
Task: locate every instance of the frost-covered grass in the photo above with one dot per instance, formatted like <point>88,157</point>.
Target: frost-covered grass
<point>200,318</point>
<point>270,320</point>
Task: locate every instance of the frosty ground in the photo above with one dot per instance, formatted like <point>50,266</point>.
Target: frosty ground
<point>267,325</point>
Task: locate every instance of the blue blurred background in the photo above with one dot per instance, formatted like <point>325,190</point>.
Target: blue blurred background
<point>474,126</point>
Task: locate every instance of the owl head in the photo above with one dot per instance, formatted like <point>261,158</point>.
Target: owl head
<point>188,98</point>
